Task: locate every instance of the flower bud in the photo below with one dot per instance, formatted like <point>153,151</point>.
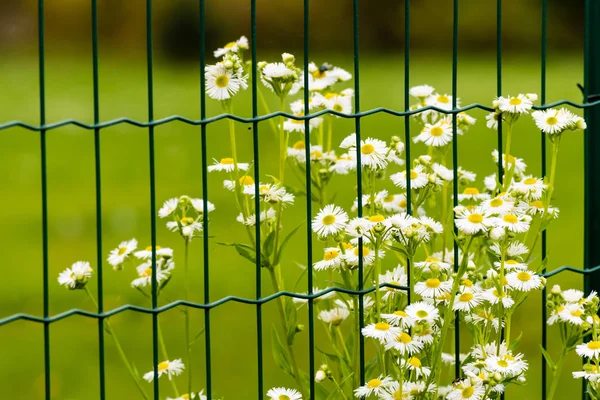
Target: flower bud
<point>261,64</point>
<point>288,58</point>
<point>320,376</point>
<point>556,289</point>
<point>497,233</point>
<point>228,64</point>
<point>299,328</point>
<point>532,96</point>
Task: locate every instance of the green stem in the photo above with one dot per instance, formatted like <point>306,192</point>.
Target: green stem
<point>281,308</point>
<point>283,139</point>
<point>337,385</point>
<point>338,332</point>
<point>501,291</point>
<point>556,373</point>
<point>108,328</point>
<point>555,145</point>
<point>377,288</point>
<point>329,133</point>
<point>507,169</point>
<point>163,347</point>
<point>265,105</point>
<point>356,331</point>
<point>186,292</point>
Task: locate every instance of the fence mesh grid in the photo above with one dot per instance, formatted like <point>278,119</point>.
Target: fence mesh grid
<point>592,225</point>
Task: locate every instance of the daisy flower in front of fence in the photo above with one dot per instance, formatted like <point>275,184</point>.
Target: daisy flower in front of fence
<point>281,393</point>
<point>77,276</point>
<point>421,92</point>
<point>280,77</point>
<point>515,105</point>
<point>330,221</point>
<point>117,256</point>
<point>222,83</point>
<point>375,386</point>
<point>169,368</point>
<point>227,164</point>
<point>144,271</point>
<point>232,47</point>
<point>193,396</point>
<point>437,135</point>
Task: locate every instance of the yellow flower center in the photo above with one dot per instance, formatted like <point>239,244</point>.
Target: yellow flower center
<point>401,313</point>
<point>432,260</point>
<point>318,74</point>
<point>536,204</point>
<point>316,154</point>
<point>367,148</point>
<point>382,326</point>
<point>432,283</point>
<point>222,81</point>
<point>530,181</point>
<point>475,218</point>
<point>338,107</point>
<point>365,252</point>
<point>402,203</point>
<point>414,174</point>
<point>466,282</point>
<point>246,180</point>
<point>390,289</point>
<point>388,199</point>
<point>149,248</point>
<point>187,221</point>
<point>496,202</point>
<point>330,255</point>
<point>374,383</point>
<point>523,276</point>
<point>466,297</point>
<point>330,95</point>
<point>422,314</point>
<point>328,219</point>
<point>467,392</point>
<point>263,189</point>
<point>122,250</point>
<point>163,365</point>
<point>510,218</point>
<point>226,160</point>
<point>593,345</point>
<point>283,397</point>
<point>404,338</point>
<point>377,218</point>
<point>511,262</point>
<point>502,363</point>
<point>229,45</point>
<point>443,99</point>
<point>515,101</point>
<point>299,145</point>
<point>415,362</point>
<point>436,131</point>
<point>147,272</point>
<point>346,245</point>
<point>577,313</point>
<point>552,120</point>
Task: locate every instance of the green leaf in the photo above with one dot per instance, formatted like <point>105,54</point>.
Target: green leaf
<point>284,243</point>
<point>280,352</point>
<point>548,358</point>
<point>515,343</point>
<point>268,245</point>
<point>198,336</point>
<point>290,312</point>
<point>243,250</point>
<point>304,271</point>
<point>371,367</point>
<point>399,250</point>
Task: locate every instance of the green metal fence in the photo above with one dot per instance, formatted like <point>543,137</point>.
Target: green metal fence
<point>591,89</point>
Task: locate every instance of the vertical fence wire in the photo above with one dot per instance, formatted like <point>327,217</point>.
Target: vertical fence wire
<point>455,176</point>
<point>154,296</point>
<point>499,84</point>
<point>257,225</point>
<point>543,168</point>
<point>99,258</point>
<point>409,275</point>
<point>309,250</point>
<point>42,94</point>
<point>361,308</point>
<point>205,237</point>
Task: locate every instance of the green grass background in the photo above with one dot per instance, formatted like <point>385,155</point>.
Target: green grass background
<point>126,211</point>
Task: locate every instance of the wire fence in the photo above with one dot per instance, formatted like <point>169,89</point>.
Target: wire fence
<point>592,188</point>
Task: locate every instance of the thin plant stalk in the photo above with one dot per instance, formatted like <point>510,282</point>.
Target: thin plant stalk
<point>186,293</point>
<point>161,341</point>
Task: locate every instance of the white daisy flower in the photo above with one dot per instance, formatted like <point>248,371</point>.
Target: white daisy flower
<point>590,372</point>
<point>332,258</point>
<point>319,78</point>
<point>433,264</point>
<point>341,104</point>
<point>227,165</point>
<point>265,215</point>
<point>381,331</point>
<point>520,165</point>
<point>373,153</point>
<point>491,120</point>
<point>335,316</point>
<point>193,396</point>
<point>572,313</point>
<point>368,256</point>
<point>493,296</point>
<point>246,181</point>
<point>590,349</point>
<point>464,390</point>
<point>273,194</point>
<point>343,164</point>
<point>418,178</point>
<point>421,91</point>
<point>375,386</point>
<point>403,343</point>
<point>117,256</point>
<point>233,47</point>
<point>316,300</point>
<point>76,277</point>
<point>514,222</point>
<point>472,221</point>
<point>498,205</point>
<point>198,205</point>
<point>145,275</point>
<point>170,368</point>
<point>530,186</point>
<point>572,295</point>
<point>414,364</point>
<point>221,83</point>
<point>396,277</point>
<point>437,135</point>
<point>280,393</point>
<point>329,221</point>
<point>511,265</point>
<point>550,121</point>
<point>432,288</point>
<point>398,318</point>
<point>187,227</point>
<point>314,101</point>
<point>299,125</point>
<point>472,193</point>
<point>368,303</point>
<point>524,281</point>
<point>506,365</point>
<point>443,172</point>
<point>442,101</point>
<point>169,208</point>
<point>146,254</point>
<point>466,300</point>
<point>514,105</point>
<point>422,312</point>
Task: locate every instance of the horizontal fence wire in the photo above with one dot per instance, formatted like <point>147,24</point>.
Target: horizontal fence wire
<point>247,120</point>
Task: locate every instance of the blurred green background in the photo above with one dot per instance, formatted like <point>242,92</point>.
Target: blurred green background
<point>125,166</point>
